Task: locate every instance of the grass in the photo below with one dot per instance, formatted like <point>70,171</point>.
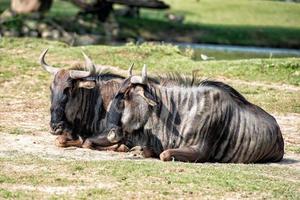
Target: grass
<point>222,22</point>
<point>26,176</point>
<point>292,148</point>
<point>245,22</point>
<point>118,179</point>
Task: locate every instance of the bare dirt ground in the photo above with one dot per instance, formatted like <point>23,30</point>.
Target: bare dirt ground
<point>24,130</point>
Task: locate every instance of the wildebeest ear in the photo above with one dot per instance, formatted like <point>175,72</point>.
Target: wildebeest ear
<point>86,84</point>
<point>143,80</point>
<point>149,98</point>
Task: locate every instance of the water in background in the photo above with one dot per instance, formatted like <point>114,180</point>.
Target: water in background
<point>227,52</point>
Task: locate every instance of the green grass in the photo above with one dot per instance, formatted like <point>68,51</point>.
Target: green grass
<point>238,12</point>
<point>222,22</point>
<point>292,148</point>
<point>139,179</point>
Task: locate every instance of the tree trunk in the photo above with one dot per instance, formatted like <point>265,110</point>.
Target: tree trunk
<point>30,6</point>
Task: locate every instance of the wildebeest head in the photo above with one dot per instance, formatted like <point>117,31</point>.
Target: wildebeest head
<point>131,106</point>
<point>62,88</point>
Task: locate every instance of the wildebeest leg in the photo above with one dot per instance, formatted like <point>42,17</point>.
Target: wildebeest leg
<point>143,151</point>
<point>185,154</point>
<point>67,139</point>
<point>115,147</point>
<point>102,144</point>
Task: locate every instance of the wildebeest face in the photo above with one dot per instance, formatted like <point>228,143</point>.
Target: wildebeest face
<point>64,85</point>
<point>137,107</point>
<point>61,90</point>
<point>131,107</point>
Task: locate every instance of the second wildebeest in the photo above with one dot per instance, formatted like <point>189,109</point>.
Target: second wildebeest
<point>210,122</point>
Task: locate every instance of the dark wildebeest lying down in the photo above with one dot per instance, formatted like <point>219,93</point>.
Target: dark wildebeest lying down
<point>209,123</point>
<point>79,101</point>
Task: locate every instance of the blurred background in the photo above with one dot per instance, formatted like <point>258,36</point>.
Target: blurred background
<point>209,27</point>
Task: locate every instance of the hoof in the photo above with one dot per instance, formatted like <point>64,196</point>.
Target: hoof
<point>141,151</point>
<point>60,141</point>
<point>166,156</point>
<point>136,148</point>
<point>147,153</point>
<point>87,144</point>
<point>122,148</point>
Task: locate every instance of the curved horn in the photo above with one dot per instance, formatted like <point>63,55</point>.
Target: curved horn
<point>48,68</point>
<point>75,74</point>
<point>144,74</point>
<point>130,70</point>
<point>89,63</point>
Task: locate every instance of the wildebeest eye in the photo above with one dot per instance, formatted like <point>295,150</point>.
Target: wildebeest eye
<point>120,96</point>
<point>121,104</point>
<point>66,90</point>
<point>66,93</point>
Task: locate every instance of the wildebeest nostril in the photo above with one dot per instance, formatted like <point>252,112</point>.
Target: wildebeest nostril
<point>52,124</point>
<point>56,128</point>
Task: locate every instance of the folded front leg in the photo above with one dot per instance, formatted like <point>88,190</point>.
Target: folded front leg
<point>101,143</point>
<point>68,140</point>
<point>115,147</point>
<point>185,154</point>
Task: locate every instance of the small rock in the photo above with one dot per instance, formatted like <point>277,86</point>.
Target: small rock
<point>33,34</point>
<point>32,24</point>
<point>11,33</point>
<point>87,40</point>
<point>25,30</point>
<point>42,27</point>
<point>46,34</point>
<point>55,34</point>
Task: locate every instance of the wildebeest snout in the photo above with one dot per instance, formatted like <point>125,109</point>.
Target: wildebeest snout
<point>56,128</point>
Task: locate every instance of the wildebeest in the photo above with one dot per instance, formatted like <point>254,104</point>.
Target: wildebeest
<point>208,123</point>
<point>79,101</point>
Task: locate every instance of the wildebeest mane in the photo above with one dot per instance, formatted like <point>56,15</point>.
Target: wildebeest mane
<point>178,78</point>
<point>226,88</point>
<point>181,79</point>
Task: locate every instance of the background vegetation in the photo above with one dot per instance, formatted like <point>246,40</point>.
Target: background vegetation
<point>246,22</point>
